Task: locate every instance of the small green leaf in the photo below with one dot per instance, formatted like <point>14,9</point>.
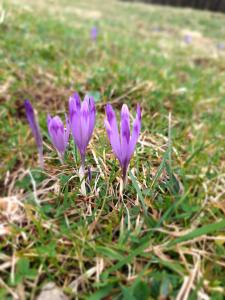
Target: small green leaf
<point>96,95</point>
<point>127,293</point>
<point>23,270</point>
<point>112,254</point>
<point>210,228</point>
<point>101,293</point>
<point>141,290</point>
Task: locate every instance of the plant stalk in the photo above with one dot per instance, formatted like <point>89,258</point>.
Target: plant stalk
<point>40,157</point>
<point>82,176</point>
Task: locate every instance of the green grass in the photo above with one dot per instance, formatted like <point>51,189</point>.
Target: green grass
<point>172,227</point>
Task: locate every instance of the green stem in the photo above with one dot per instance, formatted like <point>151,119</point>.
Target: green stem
<point>124,177</point>
<point>40,157</point>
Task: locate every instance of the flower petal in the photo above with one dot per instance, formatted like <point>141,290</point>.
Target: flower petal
<point>125,136</point>
<point>75,120</point>
<point>49,118</point>
<point>112,130</point>
<point>33,123</point>
<point>136,132</point>
<point>85,120</point>
<point>67,131</point>
<point>74,104</point>
<point>92,111</point>
<point>111,136</point>
<point>56,132</point>
<point>125,124</point>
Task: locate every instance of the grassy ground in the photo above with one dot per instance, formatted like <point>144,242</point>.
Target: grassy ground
<point>168,242</point>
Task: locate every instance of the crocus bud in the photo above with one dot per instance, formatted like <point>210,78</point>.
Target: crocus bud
<point>35,130</point>
<point>82,121</point>
<point>123,143</point>
<point>59,135</point>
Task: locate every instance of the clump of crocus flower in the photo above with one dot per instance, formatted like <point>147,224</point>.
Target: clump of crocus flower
<point>82,122</point>
<point>58,134</point>
<point>35,130</point>
<point>123,144</point>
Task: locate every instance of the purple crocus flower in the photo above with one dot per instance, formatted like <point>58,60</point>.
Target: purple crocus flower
<point>35,130</point>
<point>59,135</point>
<point>187,39</point>
<point>123,144</point>
<point>221,46</point>
<point>82,121</point>
<point>94,33</point>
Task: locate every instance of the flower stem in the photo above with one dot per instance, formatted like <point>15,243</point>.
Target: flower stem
<point>40,157</point>
<point>61,158</point>
<point>128,214</point>
<point>83,162</point>
<point>82,176</point>
<point>124,177</point>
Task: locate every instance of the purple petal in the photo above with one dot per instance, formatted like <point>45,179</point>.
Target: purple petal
<point>74,104</point>
<point>75,120</point>
<point>111,136</point>
<point>125,135</point>
<point>77,100</point>
<point>125,123</point>
<point>136,132</point>
<point>139,112</point>
<point>75,125</point>
<point>67,131</point>
<point>85,120</point>
<point>125,139</point>
<point>33,123</point>
<point>57,133</point>
<point>71,108</point>
<point>112,130</point>
<point>111,117</point>
<point>92,110</point>
<point>94,33</point>
<point>49,118</point>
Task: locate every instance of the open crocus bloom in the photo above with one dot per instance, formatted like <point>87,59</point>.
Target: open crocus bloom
<point>82,121</point>
<point>123,144</point>
<point>59,135</point>
<point>35,130</point>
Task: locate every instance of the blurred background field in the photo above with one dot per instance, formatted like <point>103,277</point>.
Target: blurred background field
<point>213,5</point>
<point>170,60</point>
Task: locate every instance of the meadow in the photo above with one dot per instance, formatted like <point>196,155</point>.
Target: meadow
<point>162,237</point>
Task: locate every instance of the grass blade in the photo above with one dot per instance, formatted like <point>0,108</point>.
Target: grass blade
<point>210,228</point>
